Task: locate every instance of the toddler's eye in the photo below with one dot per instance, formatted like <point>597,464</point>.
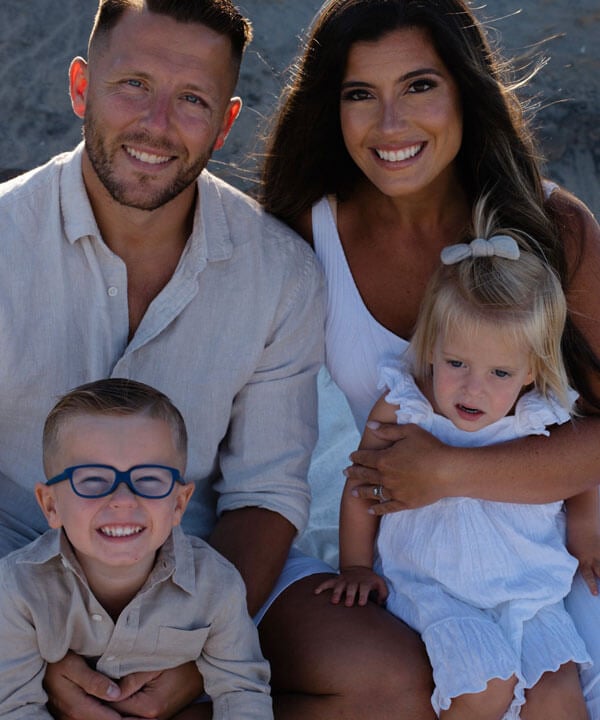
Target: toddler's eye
<point>501,373</point>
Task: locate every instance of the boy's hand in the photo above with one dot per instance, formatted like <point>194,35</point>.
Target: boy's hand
<point>584,544</point>
<point>355,581</point>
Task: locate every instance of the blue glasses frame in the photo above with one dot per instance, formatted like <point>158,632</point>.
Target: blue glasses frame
<point>121,476</point>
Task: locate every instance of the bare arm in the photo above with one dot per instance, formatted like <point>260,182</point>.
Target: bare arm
<point>583,535</point>
<point>257,542</point>
<point>418,469</point>
<point>358,529</point>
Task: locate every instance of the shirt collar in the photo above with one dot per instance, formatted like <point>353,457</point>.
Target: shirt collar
<point>175,558</point>
<point>79,220</point>
<point>77,213</point>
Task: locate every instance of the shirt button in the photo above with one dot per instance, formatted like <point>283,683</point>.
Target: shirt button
<point>96,617</point>
<point>112,291</point>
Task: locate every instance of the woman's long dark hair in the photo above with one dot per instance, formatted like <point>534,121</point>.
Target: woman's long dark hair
<point>305,155</point>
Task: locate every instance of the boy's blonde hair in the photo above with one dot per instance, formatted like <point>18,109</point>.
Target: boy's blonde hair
<point>522,298</point>
<point>113,396</point>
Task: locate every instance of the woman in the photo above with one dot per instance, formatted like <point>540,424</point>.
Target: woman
<point>399,115</point>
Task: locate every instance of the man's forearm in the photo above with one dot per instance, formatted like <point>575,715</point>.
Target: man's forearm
<point>257,542</point>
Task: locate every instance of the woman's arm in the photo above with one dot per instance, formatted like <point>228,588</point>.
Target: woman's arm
<point>418,469</point>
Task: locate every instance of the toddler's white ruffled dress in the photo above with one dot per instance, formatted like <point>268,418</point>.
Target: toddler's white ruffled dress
<point>482,582</point>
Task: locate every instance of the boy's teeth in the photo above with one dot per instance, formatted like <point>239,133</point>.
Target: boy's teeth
<point>121,531</point>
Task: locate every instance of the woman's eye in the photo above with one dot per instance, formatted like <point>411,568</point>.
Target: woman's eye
<point>419,86</point>
<point>356,95</point>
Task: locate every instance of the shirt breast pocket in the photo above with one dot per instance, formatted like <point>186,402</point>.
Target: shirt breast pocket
<point>180,646</point>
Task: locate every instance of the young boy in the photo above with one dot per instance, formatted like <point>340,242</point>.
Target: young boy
<point>115,579</point>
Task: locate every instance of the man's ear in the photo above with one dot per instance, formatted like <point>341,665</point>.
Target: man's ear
<point>47,501</point>
<point>233,110</point>
<point>78,84</point>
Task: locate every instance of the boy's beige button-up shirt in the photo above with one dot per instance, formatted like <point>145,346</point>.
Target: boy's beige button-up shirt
<point>192,607</point>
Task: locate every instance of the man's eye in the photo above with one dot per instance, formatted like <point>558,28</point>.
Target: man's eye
<point>193,99</point>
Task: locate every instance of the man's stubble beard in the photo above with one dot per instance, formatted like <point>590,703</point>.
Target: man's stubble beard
<point>101,160</point>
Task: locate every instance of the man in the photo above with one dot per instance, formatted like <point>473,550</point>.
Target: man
<point>125,258</point>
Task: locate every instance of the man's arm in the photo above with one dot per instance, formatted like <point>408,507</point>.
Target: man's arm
<point>264,493</point>
<point>257,542</point>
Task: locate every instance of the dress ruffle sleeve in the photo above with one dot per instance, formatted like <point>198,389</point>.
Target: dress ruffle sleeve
<point>535,413</point>
<point>413,407</point>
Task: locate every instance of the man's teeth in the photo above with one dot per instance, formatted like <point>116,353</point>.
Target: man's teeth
<point>399,155</point>
<point>147,157</point>
<point>121,531</point>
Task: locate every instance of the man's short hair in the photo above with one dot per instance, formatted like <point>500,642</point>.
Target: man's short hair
<point>219,15</point>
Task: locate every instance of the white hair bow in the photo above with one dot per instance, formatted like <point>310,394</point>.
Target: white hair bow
<point>500,245</point>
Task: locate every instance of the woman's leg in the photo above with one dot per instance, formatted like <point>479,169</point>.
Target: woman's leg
<point>330,661</point>
<point>556,696</point>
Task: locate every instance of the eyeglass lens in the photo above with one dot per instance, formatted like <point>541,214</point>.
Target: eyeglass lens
<point>149,481</point>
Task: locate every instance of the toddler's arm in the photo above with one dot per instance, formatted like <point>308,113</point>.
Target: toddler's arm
<point>358,529</point>
<point>583,535</point>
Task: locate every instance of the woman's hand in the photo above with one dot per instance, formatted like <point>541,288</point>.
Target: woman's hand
<point>356,583</point>
<point>408,474</point>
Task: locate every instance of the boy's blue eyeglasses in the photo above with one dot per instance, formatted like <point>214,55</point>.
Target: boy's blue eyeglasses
<point>96,481</point>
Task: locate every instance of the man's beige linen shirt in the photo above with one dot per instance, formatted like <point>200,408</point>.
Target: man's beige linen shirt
<point>235,339</point>
<point>192,607</point>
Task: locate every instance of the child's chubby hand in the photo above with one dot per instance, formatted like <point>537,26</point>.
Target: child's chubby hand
<point>584,544</point>
<point>356,583</point>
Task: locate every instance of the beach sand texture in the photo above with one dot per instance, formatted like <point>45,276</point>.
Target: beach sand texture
<point>38,38</point>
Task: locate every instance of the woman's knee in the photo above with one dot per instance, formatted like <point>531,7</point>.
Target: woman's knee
<point>335,649</point>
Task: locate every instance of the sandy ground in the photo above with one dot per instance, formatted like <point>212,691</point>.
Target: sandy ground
<point>38,38</point>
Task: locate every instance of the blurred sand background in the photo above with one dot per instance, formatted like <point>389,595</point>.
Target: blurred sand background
<point>38,38</point>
